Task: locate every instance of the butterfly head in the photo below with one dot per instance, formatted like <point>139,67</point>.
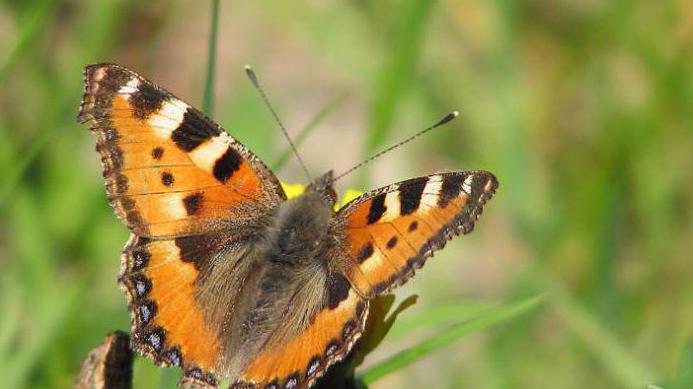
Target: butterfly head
<point>323,186</point>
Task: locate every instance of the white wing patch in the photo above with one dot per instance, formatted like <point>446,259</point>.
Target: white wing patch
<point>129,88</point>
<point>168,118</point>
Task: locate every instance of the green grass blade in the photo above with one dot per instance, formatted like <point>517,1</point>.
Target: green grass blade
<point>308,129</point>
<point>208,99</point>
<point>438,316</point>
<point>446,337</point>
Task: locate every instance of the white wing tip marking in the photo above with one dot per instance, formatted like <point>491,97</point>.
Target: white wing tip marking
<point>467,184</point>
<point>129,88</point>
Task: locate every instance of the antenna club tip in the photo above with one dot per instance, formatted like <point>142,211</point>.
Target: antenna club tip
<point>251,75</point>
<point>447,118</point>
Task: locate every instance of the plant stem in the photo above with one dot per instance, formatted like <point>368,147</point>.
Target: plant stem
<point>208,99</point>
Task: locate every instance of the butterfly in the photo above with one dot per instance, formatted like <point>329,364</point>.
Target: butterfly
<point>225,276</point>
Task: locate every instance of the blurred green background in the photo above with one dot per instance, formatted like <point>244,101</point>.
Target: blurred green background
<point>583,109</point>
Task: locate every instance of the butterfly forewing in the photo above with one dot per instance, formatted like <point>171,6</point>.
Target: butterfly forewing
<point>169,170</point>
<point>390,232</point>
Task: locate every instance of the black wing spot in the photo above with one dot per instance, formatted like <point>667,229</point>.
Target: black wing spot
<point>365,253</point>
<point>413,226</point>
<point>337,289</point>
<point>196,249</point>
<point>167,178</point>
<point>146,100</point>
<point>227,164</point>
<point>452,185</point>
<point>377,209</point>
<point>157,153</point>
<point>410,195</point>
<point>193,203</point>
<point>392,242</point>
<point>193,131</point>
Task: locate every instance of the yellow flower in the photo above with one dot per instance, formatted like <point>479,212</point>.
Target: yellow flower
<point>295,190</point>
<point>349,195</point>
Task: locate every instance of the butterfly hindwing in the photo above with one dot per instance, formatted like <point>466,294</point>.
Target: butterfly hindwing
<point>300,360</point>
<point>390,232</point>
<point>169,170</point>
<point>168,322</point>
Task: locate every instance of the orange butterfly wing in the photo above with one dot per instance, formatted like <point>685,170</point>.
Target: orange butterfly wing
<point>390,232</point>
<point>301,360</point>
<point>169,170</point>
<point>168,324</point>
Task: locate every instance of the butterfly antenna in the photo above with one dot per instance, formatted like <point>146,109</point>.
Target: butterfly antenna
<point>253,78</point>
<point>440,122</point>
